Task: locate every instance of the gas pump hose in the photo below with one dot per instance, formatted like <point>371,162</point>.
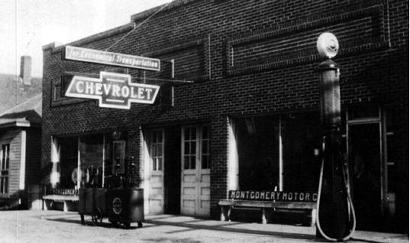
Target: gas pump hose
<point>351,211</point>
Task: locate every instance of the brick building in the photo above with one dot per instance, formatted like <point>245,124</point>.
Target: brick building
<point>250,120</point>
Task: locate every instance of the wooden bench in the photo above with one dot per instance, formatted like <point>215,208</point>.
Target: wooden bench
<point>65,199</point>
<point>227,205</point>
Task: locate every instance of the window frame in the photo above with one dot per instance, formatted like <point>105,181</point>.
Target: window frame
<point>197,139</point>
<point>4,169</point>
<point>156,150</point>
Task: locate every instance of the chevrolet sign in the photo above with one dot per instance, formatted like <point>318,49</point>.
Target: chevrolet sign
<point>113,90</point>
<point>111,58</point>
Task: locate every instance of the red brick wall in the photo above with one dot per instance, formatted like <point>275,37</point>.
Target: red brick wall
<point>282,34</point>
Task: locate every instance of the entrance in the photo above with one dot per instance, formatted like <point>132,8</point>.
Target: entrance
<point>365,173</point>
<point>155,161</point>
<point>195,177</point>
<point>162,170</point>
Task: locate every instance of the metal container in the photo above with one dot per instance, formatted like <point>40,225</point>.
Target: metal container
<point>100,200</point>
<point>125,206</point>
<point>89,201</point>
<point>81,203</point>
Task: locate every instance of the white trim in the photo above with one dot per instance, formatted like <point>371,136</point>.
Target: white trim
<point>363,121</point>
<point>233,157</point>
<point>280,154</point>
<point>146,171</point>
<point>115,101</point>
<point>23,160</point>
<point>22,124</point>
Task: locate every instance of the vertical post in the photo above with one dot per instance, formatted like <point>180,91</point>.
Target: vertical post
<point>172,86</point>
<point>280,154</point>
<point>172,68</point>
<point>144,78</point>
<point>209,58</point>
<point>79,172</point>
<point>23,160</point>
<point>103,162</point>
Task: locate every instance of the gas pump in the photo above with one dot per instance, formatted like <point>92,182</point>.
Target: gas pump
<point>335,212</point>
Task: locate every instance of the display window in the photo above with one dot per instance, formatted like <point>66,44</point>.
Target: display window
<point>279,152</point>
<point>89,161</point>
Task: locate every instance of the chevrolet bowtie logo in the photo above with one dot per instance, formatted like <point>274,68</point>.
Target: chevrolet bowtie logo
<point>113,90</point>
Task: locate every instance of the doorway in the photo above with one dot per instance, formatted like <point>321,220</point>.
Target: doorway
<point>172,167</point>
<point>162,164</point>
<point>365,173</point>
<point>196,171</point>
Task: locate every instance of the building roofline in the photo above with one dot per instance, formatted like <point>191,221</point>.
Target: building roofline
<point>21,104</point>
<point>114,31</point>
<point>21,122</point>
<point>171,5</point>
<point>120,29</point>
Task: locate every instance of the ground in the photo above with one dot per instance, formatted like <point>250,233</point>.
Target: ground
<point>57,226</point>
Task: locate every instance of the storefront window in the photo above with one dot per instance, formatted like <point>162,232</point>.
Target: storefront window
<point>258,151</point>
<point>91,157</point>
<point>68,163</point>
<point>301,136</point>
<point>98,156</point>
<point>266,144</point>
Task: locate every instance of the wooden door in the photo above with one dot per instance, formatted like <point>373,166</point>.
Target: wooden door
<point>195,175</point>
<point>156,171</point>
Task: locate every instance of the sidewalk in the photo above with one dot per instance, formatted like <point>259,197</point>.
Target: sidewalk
<point>57,226</point>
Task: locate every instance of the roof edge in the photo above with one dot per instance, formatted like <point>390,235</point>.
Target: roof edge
<point>171,5</point>
<point>117,30</point>
<point>18,105</point>
<point>19,123</point>
<point>101,35</point>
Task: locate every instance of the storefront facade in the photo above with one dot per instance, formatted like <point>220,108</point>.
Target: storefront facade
<point>250,119</point>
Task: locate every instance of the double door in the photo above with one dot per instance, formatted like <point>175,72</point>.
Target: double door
<point>191,178</point>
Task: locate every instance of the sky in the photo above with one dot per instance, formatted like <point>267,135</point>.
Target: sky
<point>27,25</point>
